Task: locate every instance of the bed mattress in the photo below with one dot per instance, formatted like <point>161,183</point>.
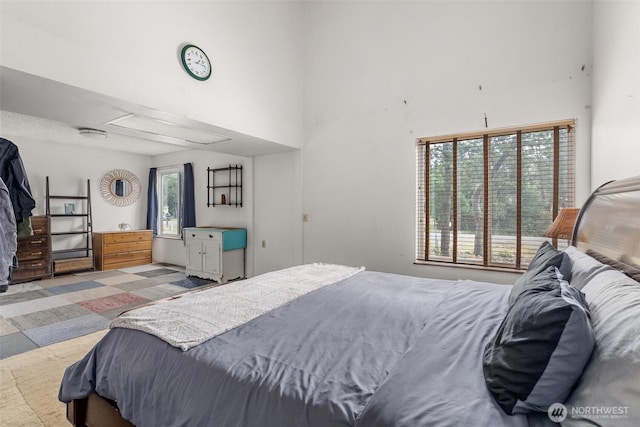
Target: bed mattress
<point>374,349</point>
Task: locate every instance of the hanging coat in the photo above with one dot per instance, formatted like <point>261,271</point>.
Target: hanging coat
<point>8,236</point>
<point>14,175</point>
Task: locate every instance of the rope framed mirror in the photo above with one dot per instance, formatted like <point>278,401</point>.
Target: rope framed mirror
<point>120,187</point>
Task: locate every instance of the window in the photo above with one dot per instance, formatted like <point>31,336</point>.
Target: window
<point>170,183</point>
<point>486,198</point>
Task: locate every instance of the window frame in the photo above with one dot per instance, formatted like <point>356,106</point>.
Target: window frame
<point>179,170</point>
<point>423,185</point>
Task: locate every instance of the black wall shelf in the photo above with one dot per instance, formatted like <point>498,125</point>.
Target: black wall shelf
<point>224,186</point>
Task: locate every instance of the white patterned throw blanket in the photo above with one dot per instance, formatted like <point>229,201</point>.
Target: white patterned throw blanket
<point>194,318</point>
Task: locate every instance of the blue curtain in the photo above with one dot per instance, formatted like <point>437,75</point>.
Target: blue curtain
<point>189,200</point>
<point>152,202</point>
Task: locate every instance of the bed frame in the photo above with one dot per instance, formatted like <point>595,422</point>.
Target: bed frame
<point>607,228</point>
<point>95,411</point>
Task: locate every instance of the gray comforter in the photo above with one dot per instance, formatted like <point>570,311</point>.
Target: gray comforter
<point>372,350</point>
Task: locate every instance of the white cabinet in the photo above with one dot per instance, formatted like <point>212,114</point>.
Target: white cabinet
<point>215,253</point>
<point>203,255</point>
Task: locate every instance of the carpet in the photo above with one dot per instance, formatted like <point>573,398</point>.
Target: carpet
<point>44,312</point>
<point>29,383</point>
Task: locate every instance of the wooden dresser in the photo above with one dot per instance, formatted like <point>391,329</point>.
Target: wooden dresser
<point>120,249</point>
<point>34,253</point>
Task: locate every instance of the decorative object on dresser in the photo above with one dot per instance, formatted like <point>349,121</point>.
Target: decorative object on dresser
<point>216,253</point>
<point>224,184</point>
<point>34,253</point>
<point>119,249</point>
<point>70,231</point>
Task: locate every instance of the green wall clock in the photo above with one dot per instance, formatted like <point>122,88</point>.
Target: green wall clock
<point>195,62</point>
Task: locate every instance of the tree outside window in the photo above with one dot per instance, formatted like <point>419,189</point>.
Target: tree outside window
<point>170,202</point>
<point>487,198</point>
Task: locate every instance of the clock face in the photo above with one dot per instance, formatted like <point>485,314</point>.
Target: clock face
<point>195,62</point>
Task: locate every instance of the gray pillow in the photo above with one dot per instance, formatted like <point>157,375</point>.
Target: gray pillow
<point>541,347</point>
<point>546,256</point>
<point>611,381</point>
<point>583,267</point>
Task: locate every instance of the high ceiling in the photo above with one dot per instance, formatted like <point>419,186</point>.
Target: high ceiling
<point>43,109</point>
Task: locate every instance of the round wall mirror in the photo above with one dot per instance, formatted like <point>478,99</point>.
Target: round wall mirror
<point>120,187</point>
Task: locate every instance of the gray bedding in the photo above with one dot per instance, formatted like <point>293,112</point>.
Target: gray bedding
<point>372,350</point>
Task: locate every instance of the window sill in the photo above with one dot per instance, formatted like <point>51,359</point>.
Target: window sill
<point>469,266</point>
<point>167,236</point>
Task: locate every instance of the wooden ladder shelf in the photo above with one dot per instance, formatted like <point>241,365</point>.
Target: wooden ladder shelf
<point>72,249</point>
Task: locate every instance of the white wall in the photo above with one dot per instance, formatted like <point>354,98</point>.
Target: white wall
<point>616,90</point>
<point>378,75</point>
<point>130,50</point>
<point>277,211</point>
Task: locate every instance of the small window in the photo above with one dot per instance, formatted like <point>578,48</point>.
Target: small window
<point>170,183</point>
<point>487,198</point>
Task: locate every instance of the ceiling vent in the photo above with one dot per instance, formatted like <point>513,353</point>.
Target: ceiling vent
<point>164,130</point>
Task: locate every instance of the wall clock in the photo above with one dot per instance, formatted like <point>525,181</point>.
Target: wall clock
<point>195,62</point>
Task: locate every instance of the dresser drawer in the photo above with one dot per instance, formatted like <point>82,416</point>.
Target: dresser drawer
<point>25,254</point>
<point>40,225</point>
<point>126,236</point>
<point>127,247</point>
<point>204,236</point>
<point>33,264</point>
<point>123,257</point>
<point>33,248</point>
<point>31,269</point>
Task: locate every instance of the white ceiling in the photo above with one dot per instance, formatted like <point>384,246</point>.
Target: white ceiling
<point>39,108</point>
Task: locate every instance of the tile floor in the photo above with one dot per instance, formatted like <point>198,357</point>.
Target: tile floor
<point>39,313</point>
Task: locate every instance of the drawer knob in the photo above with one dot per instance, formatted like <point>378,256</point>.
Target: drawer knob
<point>36,242</point>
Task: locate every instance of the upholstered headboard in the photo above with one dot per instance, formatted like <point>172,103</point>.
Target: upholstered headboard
<point>608,226</point>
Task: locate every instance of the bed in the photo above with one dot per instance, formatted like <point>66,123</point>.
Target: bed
<point>330,345</point>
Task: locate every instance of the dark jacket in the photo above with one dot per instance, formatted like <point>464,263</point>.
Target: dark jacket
<point>8,239</point>
<point>14,175</point>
